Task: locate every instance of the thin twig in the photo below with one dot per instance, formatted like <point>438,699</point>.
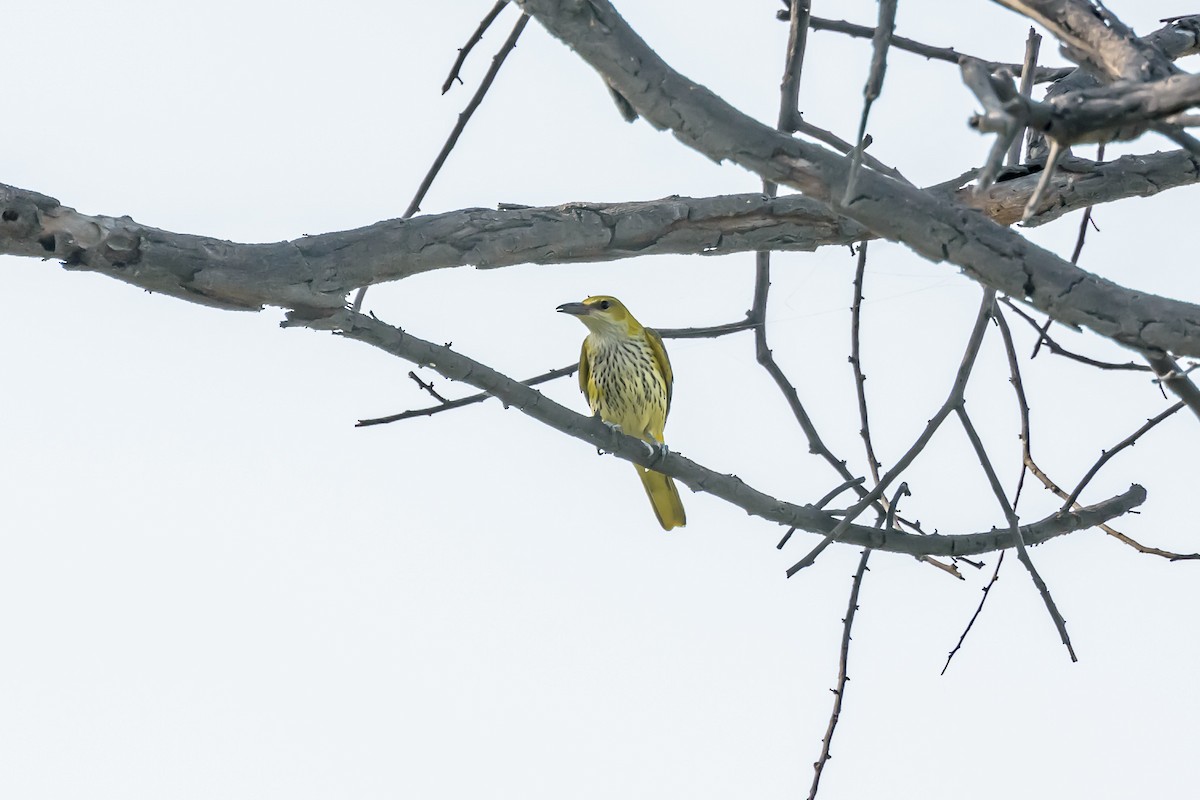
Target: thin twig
<point>1080,238</point>
<point>1014,524</point>
<point>465,50</point>
<point>842,146</point>
<point>953,401</point>
<point>1087,218</point>
<point>450,405</point>
<point>710,332</point>
<point>1128,441</point>
<point>880,43</point>
<point>789,85</point>
<point>839,693</point>
<point>428,387</point>
<point>1059,350</point>
<point>835,491</point>
<point>1032,44</point>
<point>1039,193</point>
<point>1018,385</point>
<point>978,610</point>
<point>463,118</point>
<point>1028,464</point>
<point>856,362</point>
<point>948,54</point>
<point>902,489</point>
<point>762,288</point>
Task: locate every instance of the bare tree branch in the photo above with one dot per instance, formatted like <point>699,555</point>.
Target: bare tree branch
<point>1175,379</point>
<point>476,37</point>
<point>318,271</point>
<point>1026,447</point>
<point>1091,35</point>
<point>949,54</point>
<point>933,228</point>
<point>1128,441</point>
<point>1059,350</point>
<point>880,43</point>
<point>839,691</point>
<point>953,401</point>
<point>856,362</point>
<point>730,488</point>
<point>1033,45</point>
<point>497,61</point>
<point>710,332</point>
<point>1015,527</point>
<point>987,589</point>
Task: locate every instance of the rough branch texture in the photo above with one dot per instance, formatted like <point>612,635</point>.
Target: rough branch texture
<point>1095,114</point>
<point>1090,35</point>
<point>730,488</point>
<point>318,271</point>
<point>934,228</point>
<point>1176,39</point>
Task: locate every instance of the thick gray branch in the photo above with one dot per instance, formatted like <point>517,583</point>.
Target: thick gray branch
<point>1098,114</point>
<point>730,488</point>
<point>929,225</point>
<point>1178,38</point>
<point>318,271</point>
<point>1091,35</point>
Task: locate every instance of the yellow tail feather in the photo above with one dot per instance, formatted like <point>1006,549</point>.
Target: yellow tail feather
<point>664,497</point>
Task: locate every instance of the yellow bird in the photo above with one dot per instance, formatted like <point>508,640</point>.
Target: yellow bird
<point>626,376</point>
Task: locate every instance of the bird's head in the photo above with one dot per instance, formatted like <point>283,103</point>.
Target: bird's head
<point>604,315</point>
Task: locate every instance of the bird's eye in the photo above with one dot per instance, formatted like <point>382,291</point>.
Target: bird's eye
<point>604,304</point>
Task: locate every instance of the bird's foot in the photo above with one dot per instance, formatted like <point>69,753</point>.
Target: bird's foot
<point>658,451</point>
<point>612,426</point>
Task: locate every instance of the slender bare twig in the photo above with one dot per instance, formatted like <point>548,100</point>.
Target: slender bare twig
<point>880,43</point>
<point>1128,441</point>
<point>428,387</point>
<point>1028,464</point>
<point>709,332</point>
<point>463,118</point>
<point>856,361</point>
<point>1057,149</point>
<point>450,405</point>
<point>842,146</point>
<point>839,692</point>
<point>953,401</point>
<point>978,609</point>
<point>948,54</point>
<point>1032,45</point>
<point>1150,551</point>
<point>1080,238</point>
<point>1015,527</point>
<point>1018,385</point>
<point>902,489</point>
<point>1059,350</point>
<point>465,50</point>
<point>835,491</point>
<point>789,85</point>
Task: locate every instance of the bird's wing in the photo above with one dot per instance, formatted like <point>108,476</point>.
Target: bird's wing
<point>664,363</point>
<point>584,369</point>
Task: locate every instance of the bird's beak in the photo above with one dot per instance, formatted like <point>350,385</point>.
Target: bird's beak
<point>578,309</point>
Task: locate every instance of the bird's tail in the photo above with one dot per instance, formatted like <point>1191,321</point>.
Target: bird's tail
<point>664,497</point>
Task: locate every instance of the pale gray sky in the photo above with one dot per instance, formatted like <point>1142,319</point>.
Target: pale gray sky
<point>212,585</point>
